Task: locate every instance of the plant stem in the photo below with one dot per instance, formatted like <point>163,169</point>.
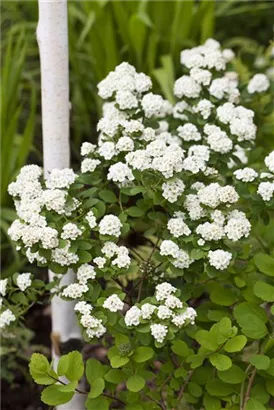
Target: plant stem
<point>248,390</point>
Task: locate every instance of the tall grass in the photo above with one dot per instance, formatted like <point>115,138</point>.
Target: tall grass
<point>16,140</point>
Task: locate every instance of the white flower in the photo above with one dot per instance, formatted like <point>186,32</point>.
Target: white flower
<point>98,331</point>
<point>266,190</point>
<point>110,225</point>
<point>6,318</point>
<point>189,132</point>
<point>269,161</point>
<point>147,310</point>
<point>89,165</point>
<point>89,321</point>
<point>75,291</point>
<point>49,237</point>
<point>113,303</point>
<point>83,308</point>
<point>219,259</point>
<point>245,174</point>
<point>173,302</point>
<point>177,227</point>
<point>70,231</point>
<point>91,219</point>
<point>182,260</point>
<point>159,332</point>
<point>126,100</point>
<point>64,257</point>
<point>181,110</point>
<point>153,105</point>
<point>110,249</point>
<point>125,144</point>
<point>238,226</point>
<point>217,139</point>
<point>169,248</point>
<point>142,82</point>
<point>186,86</point>
<point>163,290</point>
<point>209,195</point>
<point>210,231</point>
<point>138,159</point>
<point>202,77</point>
<point>228,194</point>
<point>107,150</point>
<point>87,148</point>
<point>192,205</point>
<point>228,54</point>
<point>123,259</point>
<point>258,84</point>
<point>23,281</point>
<point>204,107</point>
<point>100,262</point>
<point>120,172</point>
<point>132,317</point>
<point>85,272</point>
<point>164,312</point>
<point>3,286</point>
<point>173,189</point>
<point>55,200</point>
<point>60,178</point>
<point>179,320</point>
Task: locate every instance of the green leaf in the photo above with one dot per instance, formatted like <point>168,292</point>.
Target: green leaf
<point>216,387</point>
<point>41,370</point>
<point>135,211</point>
<point>253,404</point>
<point>63,365</point>
<point>180,348</point>
<point>53,396</point>
<point>236,344</point>
<point>97,387</point>
<point>211,403</point>
<point>108,196</point>
<point>94,370</point>
<point>220,361</point>
<point>75,369</point>
<point>70,387</point>
<point>223,296</point>
<point>264,291</point>
<point>206,340</point>
<point>84,256</point>
<point>270,386</point>
<point>260,361</point>
<point>118,361</point>
<point>135,383</point>
<point>115,376</point>
<point>251,319</point>
<point>143,354</point>
<point>264,263</point>
<point>234,375</point>
<point>97,404</point>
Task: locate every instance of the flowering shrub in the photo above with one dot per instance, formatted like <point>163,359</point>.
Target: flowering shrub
<point>157,227</point>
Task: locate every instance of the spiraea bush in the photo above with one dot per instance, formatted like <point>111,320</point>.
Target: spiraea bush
<point>163,228</point>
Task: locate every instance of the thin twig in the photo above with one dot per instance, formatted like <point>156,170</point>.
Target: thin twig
<point>249,386</point>
<point>181,392</point>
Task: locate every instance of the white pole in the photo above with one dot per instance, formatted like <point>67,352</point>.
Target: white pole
<point>52,38</point>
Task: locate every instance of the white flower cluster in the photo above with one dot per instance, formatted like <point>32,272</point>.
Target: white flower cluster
<point>169,310</point>
<point>258,84</point>
<point>121,254</point>
<point>23,281</point>
<point>113,303</point>
<point>6,318</point>
<point>219,259</point>
<point>93,326</point>
<point>266,179</point>
<point>179,258</point>
<point>110,225</point>
<point>31,202</point>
